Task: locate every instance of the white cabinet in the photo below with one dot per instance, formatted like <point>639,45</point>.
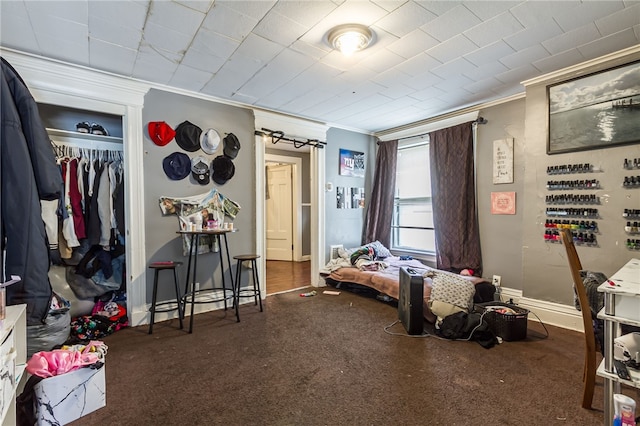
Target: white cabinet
<point>621,306</point>
<point>13,359</point>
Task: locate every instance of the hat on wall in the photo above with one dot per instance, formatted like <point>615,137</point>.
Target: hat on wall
<point>188,136</point>
<point>231,146</point>
<point>200,170</point>
<point>209,141</point>
<point>223,169</point>
<point>160,132</point>
<point>176,165</point>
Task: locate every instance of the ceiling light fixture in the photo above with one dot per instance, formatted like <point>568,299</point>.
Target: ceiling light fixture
<point>350,38</point>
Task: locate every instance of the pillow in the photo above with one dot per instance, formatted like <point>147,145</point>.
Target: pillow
<point>380,249</point>
<point>451,289</point>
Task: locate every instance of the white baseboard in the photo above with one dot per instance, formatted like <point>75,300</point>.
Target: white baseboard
<point>556,314</point>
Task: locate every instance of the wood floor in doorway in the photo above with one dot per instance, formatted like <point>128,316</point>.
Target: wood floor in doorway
<point>284,276</point>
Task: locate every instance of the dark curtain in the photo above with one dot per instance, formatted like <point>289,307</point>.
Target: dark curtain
<point>454,201</point>
<point>377,221</point>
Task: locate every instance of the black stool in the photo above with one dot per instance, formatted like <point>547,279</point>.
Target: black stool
<point>247,292</point>
<point>157,267</point>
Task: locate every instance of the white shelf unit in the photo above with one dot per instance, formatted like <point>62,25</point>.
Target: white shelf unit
<point>621,306</point>
<point>13,335</point>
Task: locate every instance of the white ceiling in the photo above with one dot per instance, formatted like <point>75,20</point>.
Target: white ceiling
<point>429,57</point>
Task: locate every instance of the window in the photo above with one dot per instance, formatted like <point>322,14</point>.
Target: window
<point>412,228</point>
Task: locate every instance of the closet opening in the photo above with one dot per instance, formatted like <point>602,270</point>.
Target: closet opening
<point>86,230</point>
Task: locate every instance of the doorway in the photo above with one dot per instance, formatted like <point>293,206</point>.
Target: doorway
<point>279,207</point>
<point>286,266</point>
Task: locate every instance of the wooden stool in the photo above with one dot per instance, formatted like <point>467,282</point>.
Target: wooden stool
<point>247,292</point>
<point>157,267</point>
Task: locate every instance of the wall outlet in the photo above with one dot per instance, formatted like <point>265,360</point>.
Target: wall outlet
<point>496,280</point>
<point>197,287</point>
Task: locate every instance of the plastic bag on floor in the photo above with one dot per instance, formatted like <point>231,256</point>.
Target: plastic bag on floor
<point>54,331</point>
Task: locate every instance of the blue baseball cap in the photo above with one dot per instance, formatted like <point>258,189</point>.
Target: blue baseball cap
<point>177,165</point>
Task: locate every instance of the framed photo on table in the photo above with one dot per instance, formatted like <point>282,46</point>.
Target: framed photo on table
<point>595,111</point>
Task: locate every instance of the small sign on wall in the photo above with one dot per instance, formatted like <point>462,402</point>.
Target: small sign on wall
<point>503,203</point>
<point>503,161</point>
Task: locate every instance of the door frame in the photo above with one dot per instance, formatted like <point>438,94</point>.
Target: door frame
<point>296,200</point>
<point>301,128</point>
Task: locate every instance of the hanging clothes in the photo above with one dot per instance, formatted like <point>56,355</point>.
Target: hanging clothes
<point>68,226</point>
<point>28,174</point>
<point>104,206</point>
<point>93,223</point>
<point>93,213</point>
<point>75,196</point>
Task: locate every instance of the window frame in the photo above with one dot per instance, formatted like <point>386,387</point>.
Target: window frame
<point>398,202</point>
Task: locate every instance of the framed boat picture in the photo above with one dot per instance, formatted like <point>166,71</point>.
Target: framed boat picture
<point>595,111</point>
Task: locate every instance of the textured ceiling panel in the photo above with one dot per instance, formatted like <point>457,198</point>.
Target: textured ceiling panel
<point>427,57</point>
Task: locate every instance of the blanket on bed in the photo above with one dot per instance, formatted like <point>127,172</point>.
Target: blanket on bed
<point>386,280</point>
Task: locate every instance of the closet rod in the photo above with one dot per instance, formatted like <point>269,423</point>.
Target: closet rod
<point>97,145</point>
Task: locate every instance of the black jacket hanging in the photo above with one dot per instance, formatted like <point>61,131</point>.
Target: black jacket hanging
<point>28,174</point>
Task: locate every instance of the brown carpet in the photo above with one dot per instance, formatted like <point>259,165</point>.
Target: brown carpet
<point>326,360</point>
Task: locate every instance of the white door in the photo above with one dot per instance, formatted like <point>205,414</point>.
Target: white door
<point>279,216</point>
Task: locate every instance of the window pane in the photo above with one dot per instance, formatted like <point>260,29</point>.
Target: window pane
<point>413,173</point>
<point>415,239</point>
<point>415,214</point>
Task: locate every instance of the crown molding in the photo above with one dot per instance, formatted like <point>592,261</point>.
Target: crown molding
<point>616,58</point>
<point>443,120</point>
<point>50,75</point>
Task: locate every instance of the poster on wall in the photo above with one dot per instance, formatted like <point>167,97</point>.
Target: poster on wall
<point>357,198</point>
<point>503,161</point>
<point>351,163</point>
<point>503,203</point>
<point>340,201</point>
<point>349,198</point>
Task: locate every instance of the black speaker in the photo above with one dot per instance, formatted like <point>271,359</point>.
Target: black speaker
<point>410,300</point>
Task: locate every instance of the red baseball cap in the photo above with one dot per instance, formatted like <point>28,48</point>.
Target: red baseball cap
<point>160,132</point>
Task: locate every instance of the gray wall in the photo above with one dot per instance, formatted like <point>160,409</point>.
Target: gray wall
<point>513,246</point>
<point>501,235</point>
<point>546,273</point>
<point>162,242</point>
<point>344,226</point>
<point>306,193</point>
